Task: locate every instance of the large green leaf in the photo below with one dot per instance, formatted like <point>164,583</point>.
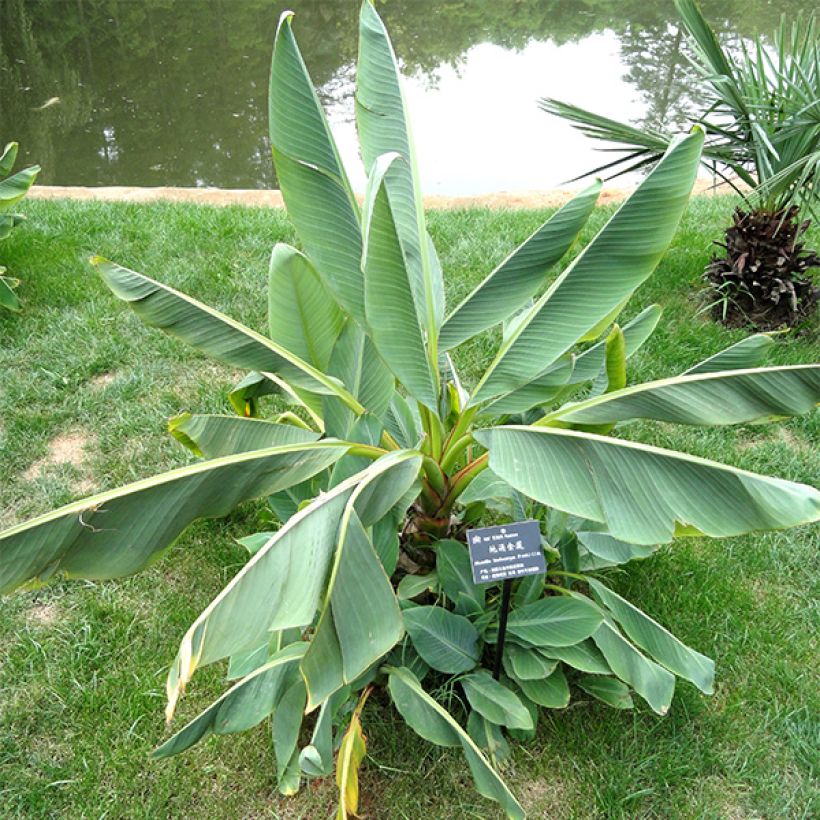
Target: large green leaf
<point>620,258</point>
<point>215,436</point>
<point>521,274</point>
<point>357,364</point>
<point>551,692</point>
<point>612,692</point>
<point>456,577</point>
<point>316,759</point>
<point>749,352</point>
<point>213,332</point>
<point>541,390</point>
<point>526,663</point>
<point>8,158</point>
<point>661,644</point>
<point>731,397</point>
<point>318,196</point>
<point>591,363</point>
<point>285,727</point>
<point>644,495</point>
<point>281,585</point>
<point>389,301</point>
<point>383,126</point>
<point>244,705</point>
<point>652,682</point>
<point>584,656</point>
<point>430,720</point>
<point>444,640</point>
<point>350,637</point>
<point>302,315</point>
<point>606,551</point>
<point>495,701</point>
<point>554,621</point>
<point>14,188</point>
<point>119,532</point>
<point>8,298</point>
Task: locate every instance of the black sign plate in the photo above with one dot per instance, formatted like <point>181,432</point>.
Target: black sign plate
<point>507,551</point>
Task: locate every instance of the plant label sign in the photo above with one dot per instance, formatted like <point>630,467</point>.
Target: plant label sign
<point>506,552</point>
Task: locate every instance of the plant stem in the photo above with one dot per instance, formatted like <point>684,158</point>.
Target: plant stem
<point>432,426</point>
<point>453,453</point>
<point>435,475</point>
<point>368,450</point>
<point>459,428</point>
<point>461,480</point>
<point>389,442</point>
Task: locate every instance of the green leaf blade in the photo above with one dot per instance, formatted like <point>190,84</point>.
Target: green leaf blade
<point>444,640</point>
<point>611,267</point>
<point>520,275</point>
<point>644,495</point>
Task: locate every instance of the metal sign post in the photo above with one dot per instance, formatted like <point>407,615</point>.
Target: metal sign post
<point>505,553</point>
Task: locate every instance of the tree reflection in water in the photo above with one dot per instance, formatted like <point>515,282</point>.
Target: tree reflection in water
<point>173,92</point>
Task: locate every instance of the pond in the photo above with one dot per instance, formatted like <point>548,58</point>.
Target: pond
<point>173,92</point>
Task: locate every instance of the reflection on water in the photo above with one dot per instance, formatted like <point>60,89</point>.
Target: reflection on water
<point>173,92</point>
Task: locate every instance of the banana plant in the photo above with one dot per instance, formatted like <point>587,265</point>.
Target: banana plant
<point>12,189</point>
<point>386,457</point>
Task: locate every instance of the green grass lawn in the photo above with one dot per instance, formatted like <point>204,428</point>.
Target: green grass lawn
<point>85,391</point>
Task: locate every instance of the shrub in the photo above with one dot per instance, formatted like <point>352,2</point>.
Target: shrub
<point>12,189</point>
<point>387,459</point>
<point>761,108</point>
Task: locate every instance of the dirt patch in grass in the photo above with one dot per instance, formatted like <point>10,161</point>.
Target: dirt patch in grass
<point>102,380</point>
<point>779,435</point>
<point>544,798</point>
<point>43,614</point>
<point>65,450</point>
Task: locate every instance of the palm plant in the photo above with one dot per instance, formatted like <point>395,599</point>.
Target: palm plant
<point>762,116</point>
<point>12,189</point>
<point>387,458</point>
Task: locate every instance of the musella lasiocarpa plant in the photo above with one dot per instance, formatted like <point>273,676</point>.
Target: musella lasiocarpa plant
<point>386,458</point>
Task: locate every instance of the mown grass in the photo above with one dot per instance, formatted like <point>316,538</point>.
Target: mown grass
<point>82,665</point>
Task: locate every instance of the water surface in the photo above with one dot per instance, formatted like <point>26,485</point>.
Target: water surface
<point>173,92</point>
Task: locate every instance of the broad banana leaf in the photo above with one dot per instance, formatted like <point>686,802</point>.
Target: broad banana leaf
<point>705,399</point>
<point>8,158</point>
<point>8,222</point>
<point>244,705</point>
<point>428,718</point>
<point>8,298</point>
<point>644,495</point>
<point>381,117</point>
<point>389,302</point>
<point>318,196</point>
<point>303,317</point>
<point>119,532</point>
<point>357,364</point>
<point>661,644</point>
<point>749,352</point>
<point>350,637</point>
<point>14,188</point>
<point>652,682</point>
<point>285,728</point>
<point>590,363</point>
<point>541,390</point>
<point>521,274</point>
<point>620,258</point>
<point>495,702</point>
<point>244,396</point>
<point>217,436</point>
<point>213,332</point>
<point>281,584</point>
